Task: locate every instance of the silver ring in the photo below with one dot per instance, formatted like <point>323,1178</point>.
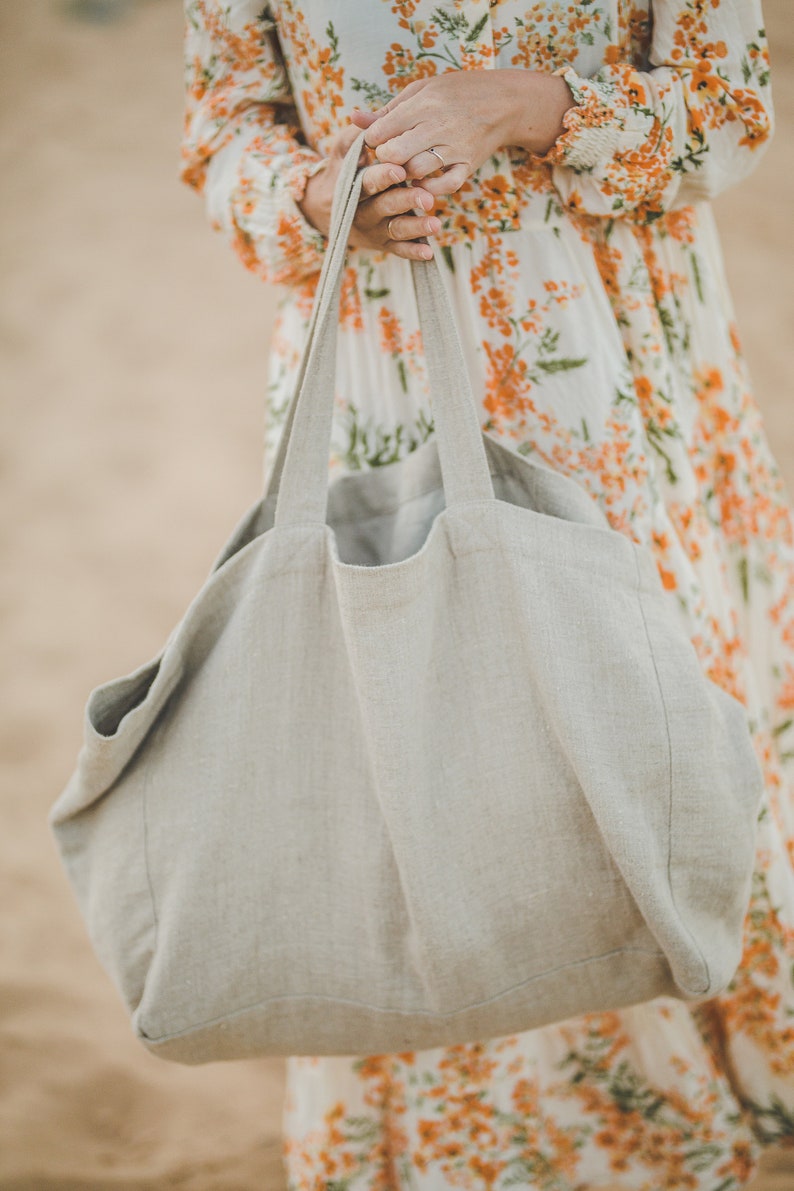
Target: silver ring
<point>388,227</point>
<point>440,158</point>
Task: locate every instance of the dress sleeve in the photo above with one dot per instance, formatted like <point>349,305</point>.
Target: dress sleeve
<point>642,142</point>
<point>242,146</point>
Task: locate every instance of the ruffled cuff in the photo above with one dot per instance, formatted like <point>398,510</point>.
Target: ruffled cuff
<point>610,119</point>
<point>272,236</point>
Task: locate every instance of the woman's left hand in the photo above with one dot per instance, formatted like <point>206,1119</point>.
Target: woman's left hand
<point>466,116</point>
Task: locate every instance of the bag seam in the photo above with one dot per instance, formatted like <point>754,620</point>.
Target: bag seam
<point>147,862</point>
<point>701,991</point>
<point>410,1013</point>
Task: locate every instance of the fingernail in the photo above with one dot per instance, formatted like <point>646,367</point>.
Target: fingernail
<point>395,175</point>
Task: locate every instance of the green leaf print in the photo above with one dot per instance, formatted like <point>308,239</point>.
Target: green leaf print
<point>774,1121</point>
<point>566,364</point>
<point>373,446</point>
<point>333,41</point>
<point>697,278</point>
<point>375,95</point>
<point>669,326</point>
<point>361,1129</point>
<point>446,253</point>
<point>475,31</point>
<point>453,24</point>
<point>595,1066</point>
<point>655,438</point>
<point>625,396</point>
<point>502,39</point>
<point>694,156</point>
<point>547,360</point>
<point>532,1168</point>
<point>759,70</point>
<point>374,293</point>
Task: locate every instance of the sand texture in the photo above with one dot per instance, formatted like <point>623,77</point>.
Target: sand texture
<point>133,352</point>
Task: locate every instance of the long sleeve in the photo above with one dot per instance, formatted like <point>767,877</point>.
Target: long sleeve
<point>642,142</point>
<point>242,145</point>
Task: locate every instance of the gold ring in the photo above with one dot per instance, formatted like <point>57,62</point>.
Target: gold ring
<point>388,227</point>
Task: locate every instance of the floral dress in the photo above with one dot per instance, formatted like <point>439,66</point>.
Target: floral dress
<point>590,296</point>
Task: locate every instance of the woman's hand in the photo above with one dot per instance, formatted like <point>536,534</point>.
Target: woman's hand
<point>466,115</point>
<point>386,218</point>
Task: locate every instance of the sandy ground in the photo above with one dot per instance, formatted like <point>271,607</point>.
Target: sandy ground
<point>133,349</point>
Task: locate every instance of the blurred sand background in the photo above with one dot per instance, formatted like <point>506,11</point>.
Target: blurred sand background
<point>133,355</point>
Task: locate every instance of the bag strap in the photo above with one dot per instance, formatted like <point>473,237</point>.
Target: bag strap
<point>300,471</point>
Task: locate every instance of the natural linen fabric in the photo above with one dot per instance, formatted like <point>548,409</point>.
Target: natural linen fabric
<point>484,711</point>
<point>600,338</point>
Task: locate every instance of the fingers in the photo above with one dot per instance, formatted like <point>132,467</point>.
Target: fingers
<point>426,163</point>
<point>400,236</point>
<point>390,222</point>
<point>391,217</point>
<point>400,149</point>
<point>377,178</point>
<point>383,127</point>
<point>410,251</point>
<point>400,200</point>
<point>449,181</point>
<point>362,119</point>
<point>412,227</point>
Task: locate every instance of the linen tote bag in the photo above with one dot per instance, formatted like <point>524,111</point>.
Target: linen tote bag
<point>429,759</point>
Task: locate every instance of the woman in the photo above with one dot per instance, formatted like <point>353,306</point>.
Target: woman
<point>557,159</point>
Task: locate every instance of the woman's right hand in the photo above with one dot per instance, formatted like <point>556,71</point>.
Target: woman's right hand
<point>386,220</point>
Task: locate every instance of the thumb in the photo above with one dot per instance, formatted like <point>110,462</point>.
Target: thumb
<point>362,119</point>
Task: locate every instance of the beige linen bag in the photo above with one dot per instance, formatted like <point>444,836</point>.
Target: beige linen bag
<point>429,759</point>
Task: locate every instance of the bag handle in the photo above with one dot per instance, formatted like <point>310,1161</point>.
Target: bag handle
<point>300,472</point>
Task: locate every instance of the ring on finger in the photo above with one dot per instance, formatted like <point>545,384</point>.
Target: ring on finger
<point>389,232</point>
<point>436,153</point>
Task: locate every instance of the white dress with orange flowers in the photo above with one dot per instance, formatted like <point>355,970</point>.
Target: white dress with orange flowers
<point>589,293</point>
